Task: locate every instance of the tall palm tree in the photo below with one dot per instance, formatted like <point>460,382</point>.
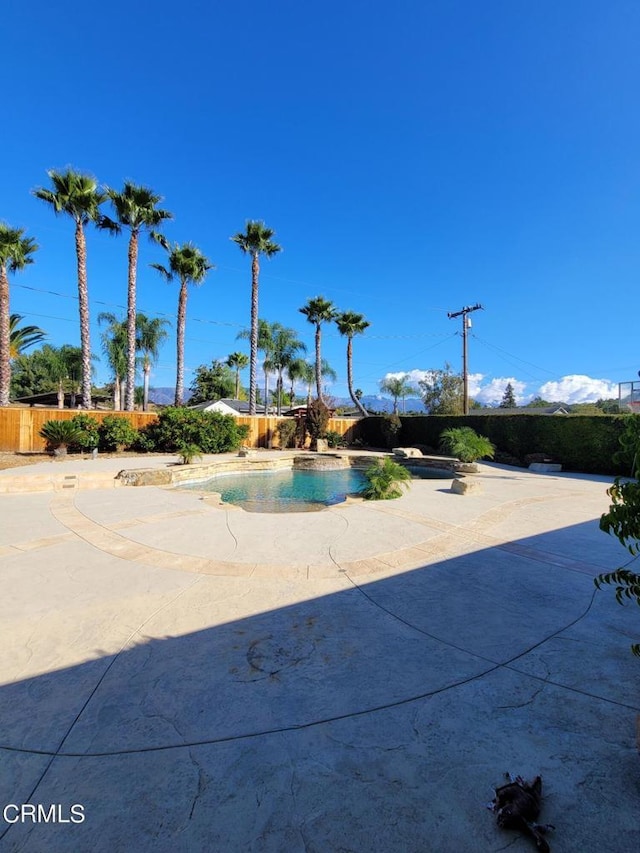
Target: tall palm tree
<point>15,254</point>
<point>23,337</point>
<point>188,265</point>
<point>318,311</point>
<point>150,333</point>
<point>350,324</point>
<point>265,346</point>
<point>238,361</point>
<point>286,347</point>
<point>136,209</point>
<point>396,386</point>
<point>78,196</point>
<point>114,346</point>
<point>255,241</point>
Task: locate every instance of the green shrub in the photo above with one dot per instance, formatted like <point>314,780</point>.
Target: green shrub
<point>286,433</point>
<point>391,426</point>
<point>466,444</point>
<point>210,431</point>
<point>116,433</point>
<point>60,435</point>
<point>334,439</point>
<point>385,478</point>
<point>88,430</point>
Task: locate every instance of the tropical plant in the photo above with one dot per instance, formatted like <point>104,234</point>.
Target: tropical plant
<point>284,350</point>
<point>255,241</point>
<point>15,254</point>
<point>334,439</point>
<point>237,361</point>
<point>350,324</point>
<point>136,210</point>
<point>396,387</point>
<point>78,196</point>
<point>286,430</point>
<point>188,452</point>
<point>114,347</point>
<point>48,369</point>
<point>151,332</point>
<point>116,433</point>
<point>465,444</point>
<point>443,392</point>
<point>385,479</point>
<point>212,383</point>
<point>21,338</point>
<point>188,265</point>
<point>318,311</point>
<point>59,435</point>
<point>623,519</point>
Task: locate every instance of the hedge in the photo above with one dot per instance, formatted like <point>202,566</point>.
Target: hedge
<point>583,443</point>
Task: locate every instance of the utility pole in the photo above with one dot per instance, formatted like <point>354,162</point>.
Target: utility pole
<point>466,324</point>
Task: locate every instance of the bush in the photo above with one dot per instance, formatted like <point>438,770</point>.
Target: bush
<point>385,480</point>
<point>59,435</point>
<point>286,433</point>
<point>334,439</point>
<point>466,444</point>
<point>116,433</point>
<point>209,431</point>
<point>88,431</point>
<point>317,420</point>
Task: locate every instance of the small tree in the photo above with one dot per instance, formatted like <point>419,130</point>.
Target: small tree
<point>508,398</point>
<point>442,392</point>
<point>212,383</point>
<point>317,420</point>
<point>623,519</point>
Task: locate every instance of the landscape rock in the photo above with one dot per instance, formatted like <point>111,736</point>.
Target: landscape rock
<point>407,452</point>
<point>466,487</point>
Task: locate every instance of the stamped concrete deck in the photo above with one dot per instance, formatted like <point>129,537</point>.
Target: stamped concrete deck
<point>199,678</point>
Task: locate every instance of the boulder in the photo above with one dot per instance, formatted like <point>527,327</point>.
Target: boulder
<point>466,487</point>
<point>406,452</point>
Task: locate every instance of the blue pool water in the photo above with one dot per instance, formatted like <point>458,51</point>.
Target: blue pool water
<point>285,491</point>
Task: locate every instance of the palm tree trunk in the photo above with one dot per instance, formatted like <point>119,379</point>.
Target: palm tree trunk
<point>318,364</point>
<point>266,391</point>
<point>116,393</point>
<point>83,306</point>
<point>253,370</point>
<point>359,405</point>
<point>182,321</point>
<point>131,322</point>
<point>60,394</point>
<point>279,389</point>
<point>5,338</point>
<point>146,375</point>
<point>237,383</point>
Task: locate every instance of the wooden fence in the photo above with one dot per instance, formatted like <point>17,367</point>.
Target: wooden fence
<point>20,428</point>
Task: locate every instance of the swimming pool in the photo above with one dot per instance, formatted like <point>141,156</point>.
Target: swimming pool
<point>288,490</point>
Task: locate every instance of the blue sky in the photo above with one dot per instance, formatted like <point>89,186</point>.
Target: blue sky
<point>412,159</point>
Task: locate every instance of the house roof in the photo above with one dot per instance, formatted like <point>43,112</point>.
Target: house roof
<point>239,406</point>
<point>555,409</point>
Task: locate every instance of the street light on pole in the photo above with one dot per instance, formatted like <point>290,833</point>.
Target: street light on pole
<point>466,323</point>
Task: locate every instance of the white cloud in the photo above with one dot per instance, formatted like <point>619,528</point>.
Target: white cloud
<point>578,388</point>
<point>492,392</point>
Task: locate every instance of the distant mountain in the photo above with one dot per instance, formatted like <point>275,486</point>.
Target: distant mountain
<point>166,396</point>
<point>373,403</point>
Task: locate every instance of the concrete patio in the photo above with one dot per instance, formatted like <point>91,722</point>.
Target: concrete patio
<point>199,678</point>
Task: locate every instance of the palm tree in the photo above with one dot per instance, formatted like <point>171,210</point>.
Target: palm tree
<point>238,361</point>
<point>78,196</point>
<point>15,254</point>
<point>349,324</point>
<point>396,386</point>
<point>318,311</point>
<point>136,210</point>
<point>302,370</point>
<point>150,333</point>
<point>23,337</point>
<point>189,266</point>
<point>286,346</point>
<point>114,346</point>
<point>255,241</point>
